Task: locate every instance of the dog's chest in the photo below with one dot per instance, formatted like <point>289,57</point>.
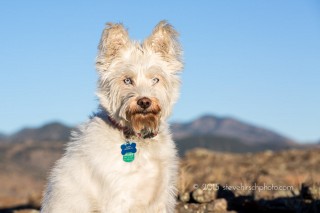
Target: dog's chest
<point>145,164</point>
<point>139,179</point>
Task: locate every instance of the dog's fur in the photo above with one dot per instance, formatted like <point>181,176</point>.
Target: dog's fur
<point>91,176</point>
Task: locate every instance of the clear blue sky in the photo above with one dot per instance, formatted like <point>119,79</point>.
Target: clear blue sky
<point>258,61</point>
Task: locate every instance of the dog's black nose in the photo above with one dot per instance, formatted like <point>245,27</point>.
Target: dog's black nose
<point>144,102</point>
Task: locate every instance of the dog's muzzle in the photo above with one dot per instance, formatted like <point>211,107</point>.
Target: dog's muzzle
<point>144,115</point>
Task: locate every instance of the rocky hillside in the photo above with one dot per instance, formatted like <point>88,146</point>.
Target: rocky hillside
<point>285,181</point>
<point>208,181</point>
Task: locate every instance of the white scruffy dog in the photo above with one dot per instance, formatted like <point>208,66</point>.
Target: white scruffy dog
<point>123,159</point>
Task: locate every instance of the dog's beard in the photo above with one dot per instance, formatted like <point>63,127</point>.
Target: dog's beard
<point>144,123</point>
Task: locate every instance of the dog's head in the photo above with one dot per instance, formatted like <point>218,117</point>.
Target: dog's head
<point>138,82</point>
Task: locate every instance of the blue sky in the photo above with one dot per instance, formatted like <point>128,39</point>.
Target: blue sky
<point>258,61</point>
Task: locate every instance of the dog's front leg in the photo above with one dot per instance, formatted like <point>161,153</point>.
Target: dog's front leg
<point>165,199</point>
<point>59,202</point>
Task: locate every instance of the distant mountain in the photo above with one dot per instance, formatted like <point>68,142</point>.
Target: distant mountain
<point>211,132</point>
<point>225,127</point>
<point>227,144</point>
<point>2,136</point>
<point>54,131</point>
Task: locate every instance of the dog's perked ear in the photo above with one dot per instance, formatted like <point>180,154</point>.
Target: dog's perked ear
<point>114,38</point>
<point>164,41</point>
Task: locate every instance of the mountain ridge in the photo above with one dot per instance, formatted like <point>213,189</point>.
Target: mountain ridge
<point>203,126</point>
<point>52,131</point>
<point>227,127</point>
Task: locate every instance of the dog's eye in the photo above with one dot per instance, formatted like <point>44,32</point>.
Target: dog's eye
<point>127,81</point>
<point>155,80</point>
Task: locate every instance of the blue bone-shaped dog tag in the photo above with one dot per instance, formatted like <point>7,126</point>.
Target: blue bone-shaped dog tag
<point>128,150</point>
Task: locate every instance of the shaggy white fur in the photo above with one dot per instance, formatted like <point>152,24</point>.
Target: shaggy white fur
<point>92,176</point>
